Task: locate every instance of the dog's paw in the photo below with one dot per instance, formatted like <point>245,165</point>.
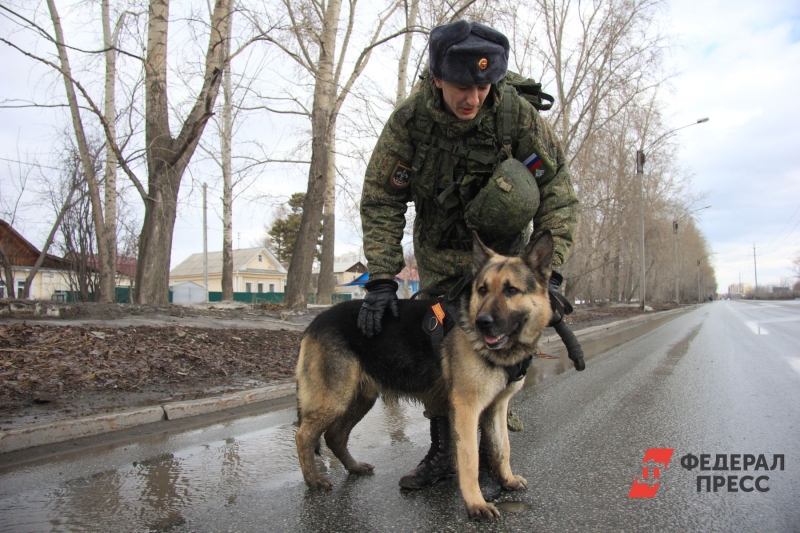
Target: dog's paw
<point>361,469</point>
<point>515,483</point>
<point>320,483</point>
<point>482,511</point>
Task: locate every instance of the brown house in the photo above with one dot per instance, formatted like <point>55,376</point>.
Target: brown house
<point>20,256</point>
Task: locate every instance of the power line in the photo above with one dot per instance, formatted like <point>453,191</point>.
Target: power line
<point>29,164</point>
<point>784,227</point>
<point>777,247</point>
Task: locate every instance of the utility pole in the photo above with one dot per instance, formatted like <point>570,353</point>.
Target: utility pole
<point>675,242</point>
<point>698,281</point>
<point>640,175</point>
<point>205,242</point>
<point>755,270</point>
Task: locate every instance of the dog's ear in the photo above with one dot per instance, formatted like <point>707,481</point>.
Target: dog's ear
<point>480,253</point>
<point>539,253</point>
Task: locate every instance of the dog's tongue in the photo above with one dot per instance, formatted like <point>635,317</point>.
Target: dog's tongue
<point>490,340</point>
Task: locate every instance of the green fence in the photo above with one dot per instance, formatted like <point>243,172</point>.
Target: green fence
<point>123,296</point>
<point>270,297</point>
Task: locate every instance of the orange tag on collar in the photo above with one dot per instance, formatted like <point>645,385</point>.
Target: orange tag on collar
<point>439,312</point>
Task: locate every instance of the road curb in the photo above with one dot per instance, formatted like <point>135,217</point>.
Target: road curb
<point>17,439</point>
<point>177,410</point>
<point>64,430</point>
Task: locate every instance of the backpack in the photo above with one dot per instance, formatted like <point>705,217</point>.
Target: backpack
<point>530,90</point>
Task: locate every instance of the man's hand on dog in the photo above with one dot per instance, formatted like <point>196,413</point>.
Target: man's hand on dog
<point>382,294</point>
<point>558,302</point>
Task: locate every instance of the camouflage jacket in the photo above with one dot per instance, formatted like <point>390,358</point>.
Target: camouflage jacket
<point>391,182</point>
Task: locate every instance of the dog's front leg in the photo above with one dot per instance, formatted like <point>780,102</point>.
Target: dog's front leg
<point>494,440</point>
<point>465,424</point>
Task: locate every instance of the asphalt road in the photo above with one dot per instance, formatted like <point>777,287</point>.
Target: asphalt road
<point>723,380</point>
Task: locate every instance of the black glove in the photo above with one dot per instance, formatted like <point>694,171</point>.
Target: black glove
<point>382,293</point>
<point>558,302</point>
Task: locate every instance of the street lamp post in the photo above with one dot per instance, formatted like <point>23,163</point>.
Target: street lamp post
<point>675,241</point>
<point>640,159</point>
<point>698,281</point>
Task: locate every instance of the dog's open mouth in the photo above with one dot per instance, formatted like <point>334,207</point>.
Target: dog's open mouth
<point>493,343</point>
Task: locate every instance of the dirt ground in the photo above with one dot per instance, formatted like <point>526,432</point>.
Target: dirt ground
<point>95,358</point>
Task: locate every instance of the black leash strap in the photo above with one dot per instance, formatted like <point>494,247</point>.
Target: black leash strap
<point>574,350</point>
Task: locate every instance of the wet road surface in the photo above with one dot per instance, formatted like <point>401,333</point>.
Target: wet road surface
<point>723,379</point>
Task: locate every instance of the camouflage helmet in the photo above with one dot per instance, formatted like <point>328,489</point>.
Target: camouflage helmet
<point>506,204</point>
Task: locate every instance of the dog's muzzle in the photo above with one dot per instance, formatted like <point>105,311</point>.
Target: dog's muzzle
<point>491,330</point>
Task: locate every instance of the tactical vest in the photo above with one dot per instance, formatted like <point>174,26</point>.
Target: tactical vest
<point>444,189</point>
<point>448,175</point>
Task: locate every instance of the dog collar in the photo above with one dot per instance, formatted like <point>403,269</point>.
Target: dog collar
<point>518,371</point>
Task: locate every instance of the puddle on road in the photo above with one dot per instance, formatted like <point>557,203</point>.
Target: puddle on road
<point>555,360</point>
<point>176,477</point>
<point>513,507</point>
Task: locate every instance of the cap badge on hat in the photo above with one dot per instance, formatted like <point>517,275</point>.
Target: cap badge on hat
<point>483,63</point>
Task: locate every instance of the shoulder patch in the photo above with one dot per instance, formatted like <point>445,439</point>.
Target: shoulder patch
<point>401,175</point>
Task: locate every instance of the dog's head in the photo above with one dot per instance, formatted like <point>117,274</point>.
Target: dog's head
<point>509,305</point>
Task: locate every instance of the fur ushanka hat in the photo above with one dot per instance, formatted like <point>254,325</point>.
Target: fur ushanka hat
<point>468,53</point>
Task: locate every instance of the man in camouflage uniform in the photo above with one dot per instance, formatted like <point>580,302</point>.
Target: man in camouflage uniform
<point>440,149</point>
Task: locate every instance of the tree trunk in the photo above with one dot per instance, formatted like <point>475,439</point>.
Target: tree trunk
<point>8,273</point>
<point>326,285</point>
<point>402,71</point>
<point>108,282</point>
<point>167,157</point>
<point>86,161</point>
<point>227,178</point>
<point>49,241</point>
<point>324,98</point>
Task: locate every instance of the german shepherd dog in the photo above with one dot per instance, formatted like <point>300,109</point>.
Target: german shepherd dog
<point>341,373</point>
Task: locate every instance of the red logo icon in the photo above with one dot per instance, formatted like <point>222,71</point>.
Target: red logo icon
<point>654,463</point>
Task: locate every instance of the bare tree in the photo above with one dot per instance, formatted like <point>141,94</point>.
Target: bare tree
<point>103,240</point>
<point>239,170</point>
<point>227,188</point>
<point>77,240</point>
<point>105,221</point>
<point>168,155</point>
<point>72,184</point>
<point>311,40</point>
<point>796,265</point>
<point>10,203</point>
<point>412,12</point>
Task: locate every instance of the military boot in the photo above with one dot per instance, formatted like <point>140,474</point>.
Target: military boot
<point>490,487</point>
<point>438,463</point>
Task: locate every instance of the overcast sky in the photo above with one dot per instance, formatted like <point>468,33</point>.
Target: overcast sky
<point>738,63</point>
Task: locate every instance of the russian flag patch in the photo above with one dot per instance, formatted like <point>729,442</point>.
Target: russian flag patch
<point>533,162</point>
